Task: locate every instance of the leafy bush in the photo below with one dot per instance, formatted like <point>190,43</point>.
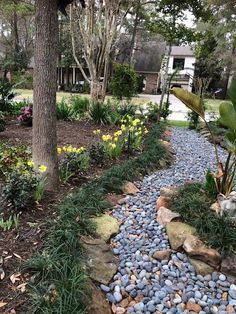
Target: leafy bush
<point>193,204</point>
<point>22,79</point>
<point>19,190</point>
<point>17,107</point>
<point>126,109</point>
<point>193,119</point>
<point>6,95</point>
<point>26,118</point>
<point>64,111</point>
<point>2,123</point>
<point>97,154</point>
<point>124,81</point>
<point>13,157</point>
<point>73,161</point>
<point>100,113</point>
<point>80,105</point>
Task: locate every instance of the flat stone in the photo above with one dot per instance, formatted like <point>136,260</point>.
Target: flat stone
<point>162,255</point>
<point>228,265</point>
<point>129,188</point>
<point>196,249</point>
<point>193,307</point>
<point>101,262</point>
<point>106,226</point>
<point>169,191</point>
<point>165,215</point>
<point>200,267</point>
<point>177,233</point>
<point>98,303</point>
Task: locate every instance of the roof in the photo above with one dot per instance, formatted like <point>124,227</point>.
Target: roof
<point>182,51</point>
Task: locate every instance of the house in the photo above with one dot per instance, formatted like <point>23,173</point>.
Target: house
<point>181,59</point>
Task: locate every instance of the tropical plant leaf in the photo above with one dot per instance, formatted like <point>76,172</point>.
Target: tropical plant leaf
<point>191,100</point>
<point>232,92</point>
<point>228,116</point>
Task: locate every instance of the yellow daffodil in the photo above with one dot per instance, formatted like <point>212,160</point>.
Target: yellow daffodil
<point>30,163</point>
<point>113,145</point>
<point>96,132</point>
<point>106,138</point>
<point>123,127</point>
<point>115,139</point>
<point>59,150</point>
<point>42,168</point>
<point>118,133</point>
<point>145,131</point>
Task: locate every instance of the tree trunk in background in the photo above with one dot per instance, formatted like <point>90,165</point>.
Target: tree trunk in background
<point>45,86</point>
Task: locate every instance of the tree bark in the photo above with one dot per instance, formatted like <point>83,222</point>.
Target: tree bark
<point>45,86</point>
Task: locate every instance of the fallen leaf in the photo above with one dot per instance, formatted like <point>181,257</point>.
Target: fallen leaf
<point>2,304</point>
<point>16,255</point>
<point>15,278</point>
<point>22,287</point>
<point>2,274</point>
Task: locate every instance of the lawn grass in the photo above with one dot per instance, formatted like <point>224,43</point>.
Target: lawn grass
<point>28,95</point>
<point>176,123</point>
<point>212,105</point>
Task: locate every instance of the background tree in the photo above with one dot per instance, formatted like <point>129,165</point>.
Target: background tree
<point>45,86</point>
<point>99,27</point>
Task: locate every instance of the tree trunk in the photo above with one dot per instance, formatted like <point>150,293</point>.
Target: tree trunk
<point>45,86</point>
<point>96,91</point>
<point>134,34</point>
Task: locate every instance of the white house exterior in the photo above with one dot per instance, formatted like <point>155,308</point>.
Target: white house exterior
<point>182,57</point>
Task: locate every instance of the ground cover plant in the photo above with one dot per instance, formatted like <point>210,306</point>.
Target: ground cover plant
<point>193,203</point>
<point>63,243</point>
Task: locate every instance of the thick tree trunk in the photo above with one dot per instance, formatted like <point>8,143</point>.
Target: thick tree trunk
<point>96,91</point>
<point>45,86</point>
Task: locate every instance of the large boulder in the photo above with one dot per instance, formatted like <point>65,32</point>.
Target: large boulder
<point>196,249</point>
<point>106,226</point>
<point>101,262</point>
<point>200,267</point>
<point>177,233</point>
<point>165,215</point>
<point>162,201</point>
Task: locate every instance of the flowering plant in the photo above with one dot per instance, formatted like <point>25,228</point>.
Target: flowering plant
<point>26,118</point>
<point>113,145</point>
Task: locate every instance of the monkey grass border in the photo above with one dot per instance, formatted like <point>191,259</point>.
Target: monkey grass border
<point>58,283</point>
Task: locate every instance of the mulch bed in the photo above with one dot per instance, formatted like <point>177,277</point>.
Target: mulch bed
<point>16,246</point>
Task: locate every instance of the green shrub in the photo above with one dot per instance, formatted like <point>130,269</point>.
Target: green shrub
<point>97,154</point>
<point>19,190</point>
<point>193,204</point>
<point>64,111</point>
<point>126,108</point>
<point>6,96</point>
<point>124,81</point>
<point>210,185</point>
<point>80,105</point>
<point>193,119</point>
<point>17,107</point>
<point>22,79</point>
<point>100,113</point>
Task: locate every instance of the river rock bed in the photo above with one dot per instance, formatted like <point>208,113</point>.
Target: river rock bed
<point>144,284</point>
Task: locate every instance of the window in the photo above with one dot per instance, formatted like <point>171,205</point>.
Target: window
<point>178,63</point>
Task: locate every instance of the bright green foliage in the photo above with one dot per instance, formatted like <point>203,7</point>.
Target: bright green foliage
<point>8,224</point>
<point>64,111</point>
<point>124,81</point>
<point>100,113</point>
<point>80,105</point>
<point>193,204</point>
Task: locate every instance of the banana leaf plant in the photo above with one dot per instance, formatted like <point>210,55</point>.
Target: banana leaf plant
<point>226,174</point>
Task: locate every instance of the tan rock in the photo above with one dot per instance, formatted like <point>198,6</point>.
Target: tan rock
<point>120,310</point>
<point>129,188</point>
<point>216,207</point>
<point>193,307</point>
<point>162,255</point>
<point>228,265</point>
<point>169,191</point>
<point>101,262</point>
<point>162,201</point>
<point>115,199</point>
<point>165,215</point>
<point>177,232</point>
<point>201,268</point>
<point>230,309</point>
<point>98,304</point>
<point>106,226</point>
<point>124,303</point>
<point>196,249</point>
<point>224,296</point>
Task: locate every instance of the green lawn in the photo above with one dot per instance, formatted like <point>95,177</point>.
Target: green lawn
<point>181,124</point>
<point>28,94</point>
<point>212,105</point>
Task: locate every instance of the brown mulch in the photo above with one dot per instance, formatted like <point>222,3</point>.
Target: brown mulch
<point>16,246</point>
